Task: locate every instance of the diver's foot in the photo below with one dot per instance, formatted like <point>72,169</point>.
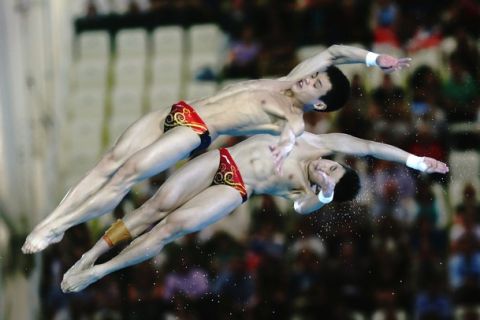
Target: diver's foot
<point>79,281</point>
<point>85,262</point>
<point>39,239</point>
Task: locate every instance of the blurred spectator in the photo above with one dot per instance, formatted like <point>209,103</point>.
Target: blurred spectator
<point>428,242</point>
<point>393,120</point>
<point>469,293</point>
<point>461,92</point>
<point>388,307</point>
<point>267,241</point>
<point>144,303</point>
<point>96,7</point>
<point>220,249</point>
<point>464,222</point>
<point>307,289</point>
<point>384,22</point>
<point>267,212</point>
<point>467,49</point>
<point>243,56</point>
<point>433,303</point>
<point>318,122</point>
<point>272,289</point>
<point>415,15</point>
<point>354,118</point>
<point>387,93</point>
<point>310,243</point>
<point>390,258</point>
<point>426,36</point>
<point>429,247</point>
<point>130,6</point>
<point>425,86</point>
<point>236,287</point>
<point>427,208</point>
<point>52,299</point>
<point>310,15</point>
<point>189,281</point>
<point>464,13</point>
<point>470,202</point>
<point>464,261</point>
<point>279,50</point>
<point>107,301</point>
<point>350,272</point>
<point>91,9</point>
<point>394,190</point>
<point>385,13</point>
<point>352,28</point>
<point>237,14</point>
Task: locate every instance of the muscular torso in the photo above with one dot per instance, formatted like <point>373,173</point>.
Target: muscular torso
<point>255,163</point>
<point>247,108</point>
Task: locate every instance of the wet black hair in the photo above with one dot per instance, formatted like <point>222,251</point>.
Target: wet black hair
<point>348,186</point>
<point>338,95</point>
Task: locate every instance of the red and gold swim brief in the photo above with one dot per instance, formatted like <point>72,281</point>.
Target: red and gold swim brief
<point>183,115</point>
<point>229,175</point>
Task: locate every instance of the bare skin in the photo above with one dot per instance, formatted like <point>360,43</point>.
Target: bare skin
<point>187,201</point>
<point>251,107</point>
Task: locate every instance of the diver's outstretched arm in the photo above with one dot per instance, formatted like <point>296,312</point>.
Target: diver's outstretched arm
<point>347,144</point>
<point>340,54</point>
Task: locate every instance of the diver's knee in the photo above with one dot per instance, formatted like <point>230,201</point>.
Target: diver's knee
<point>108,164</point>
<point>167,198</point>
<point>129,170</point>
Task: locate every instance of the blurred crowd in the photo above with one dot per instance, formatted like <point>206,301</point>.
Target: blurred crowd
<point>402,250</point>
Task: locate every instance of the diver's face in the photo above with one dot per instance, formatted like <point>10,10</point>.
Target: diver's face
<point>309,89</point>
<point>331,168</point>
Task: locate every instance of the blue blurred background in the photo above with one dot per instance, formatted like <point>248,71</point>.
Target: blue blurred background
<point>76,74</point>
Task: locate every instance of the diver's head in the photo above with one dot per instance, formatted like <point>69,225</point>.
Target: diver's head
<point>323,91</point>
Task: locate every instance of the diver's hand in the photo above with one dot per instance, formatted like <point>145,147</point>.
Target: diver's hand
<point>426,164</point>
<point>280,152</point>
<point>326,183</point>
<point>435,166</point>
<point>389,64</point>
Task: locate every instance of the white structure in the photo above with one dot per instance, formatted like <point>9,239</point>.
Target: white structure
<point>35,54</point>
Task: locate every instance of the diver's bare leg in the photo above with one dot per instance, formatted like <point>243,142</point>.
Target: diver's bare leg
<point>140,134</point>
<point>174,145</point>
<point>201,211</point>
<point>136,137</point>
<point>194,177</point>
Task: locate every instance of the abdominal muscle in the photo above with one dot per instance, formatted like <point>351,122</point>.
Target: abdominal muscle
<point>255,162</point>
